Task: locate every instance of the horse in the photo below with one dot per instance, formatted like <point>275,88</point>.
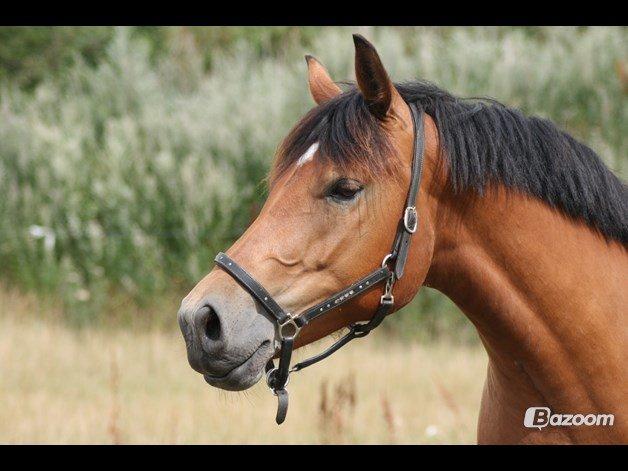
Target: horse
<point>519,224</point>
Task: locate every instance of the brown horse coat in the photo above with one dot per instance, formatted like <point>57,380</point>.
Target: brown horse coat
<point>546,288</point>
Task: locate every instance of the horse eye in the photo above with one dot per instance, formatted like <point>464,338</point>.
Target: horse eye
<point>345,189</point>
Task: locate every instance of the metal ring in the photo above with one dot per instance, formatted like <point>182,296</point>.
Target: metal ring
<point>385,261</point>
<point>284,386</point>
<point>291,321</point>
<point>268,380</point>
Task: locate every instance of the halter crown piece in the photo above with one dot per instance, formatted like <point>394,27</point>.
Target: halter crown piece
<point>288,325</point>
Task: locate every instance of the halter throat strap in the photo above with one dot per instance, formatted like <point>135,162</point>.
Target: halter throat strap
<point>391,270</point>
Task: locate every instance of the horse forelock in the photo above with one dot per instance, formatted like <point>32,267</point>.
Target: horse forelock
<point>481,141</point>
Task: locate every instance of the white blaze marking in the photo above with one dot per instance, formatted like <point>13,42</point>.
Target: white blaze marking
<point>308,154</point>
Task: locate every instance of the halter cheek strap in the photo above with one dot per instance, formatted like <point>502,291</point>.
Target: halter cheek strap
<point>392,269</point>
<point>410,221</point>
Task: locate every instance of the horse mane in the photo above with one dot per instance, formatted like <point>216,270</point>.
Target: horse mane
<point>482,142</point>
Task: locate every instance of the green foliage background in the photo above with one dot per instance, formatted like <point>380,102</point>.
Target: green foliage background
<point>129,156</point>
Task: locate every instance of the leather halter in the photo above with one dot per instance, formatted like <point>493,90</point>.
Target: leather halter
<point>391,270</point>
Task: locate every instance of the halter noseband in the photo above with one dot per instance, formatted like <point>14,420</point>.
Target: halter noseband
<point>391,270</point>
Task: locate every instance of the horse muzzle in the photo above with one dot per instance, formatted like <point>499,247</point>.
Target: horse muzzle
<point>227,346</point>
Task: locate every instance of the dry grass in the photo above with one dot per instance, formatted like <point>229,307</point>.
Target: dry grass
<point>62,385</point>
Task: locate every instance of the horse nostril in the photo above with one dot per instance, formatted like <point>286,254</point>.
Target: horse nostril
<point>212,325</point>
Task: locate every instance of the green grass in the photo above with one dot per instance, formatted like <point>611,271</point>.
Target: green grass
<point>124,172</point>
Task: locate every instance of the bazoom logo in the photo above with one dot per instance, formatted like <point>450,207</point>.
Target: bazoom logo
<point>539,417</point>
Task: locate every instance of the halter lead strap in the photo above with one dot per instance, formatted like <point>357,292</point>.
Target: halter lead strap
<point>289,325</point>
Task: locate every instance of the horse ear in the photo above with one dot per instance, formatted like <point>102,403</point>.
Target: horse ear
<point>373,81</point>
<point>322,87</point>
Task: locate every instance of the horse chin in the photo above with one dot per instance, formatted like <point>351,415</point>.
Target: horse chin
<point>246,374</point>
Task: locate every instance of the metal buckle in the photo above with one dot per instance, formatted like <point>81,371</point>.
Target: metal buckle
<point>410,212</point>
<point>289,328</point>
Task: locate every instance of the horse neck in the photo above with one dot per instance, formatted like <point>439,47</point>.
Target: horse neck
<point>543,291</point>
